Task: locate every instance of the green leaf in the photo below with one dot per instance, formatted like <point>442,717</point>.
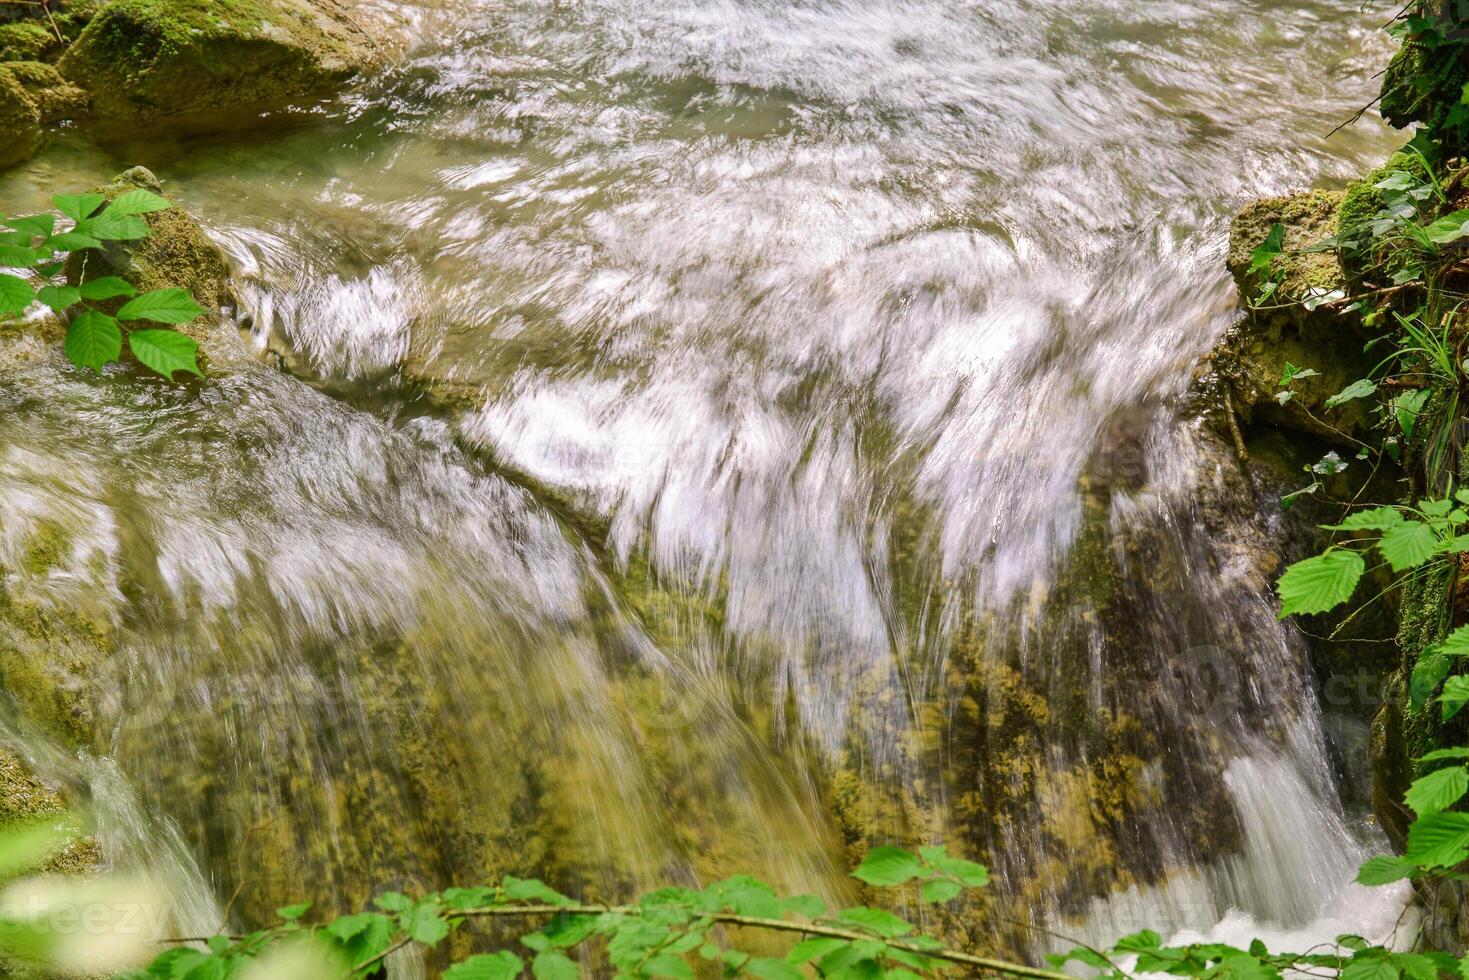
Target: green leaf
<point>1455,695</point>
<point>1456,644</point>
<point>1407,545</point>
<point>808,905</point>
<point>1369,968</point>
<point>1372,519</point>
<point>33,226</point>
<point>165,351</point>
<point>17,255</point>
<point>110,226</point>
<point>72,241</point>
<point>533,890</point>
<point>1321,583</point>
<point>15,294</point>
<point>77,206</point>
<point>171,305</point>
<point>940,890</point>
<point>744,895</point>
<point>1147,939</point>
<point>888,866</point>
<point>1438,790</point>
<point>93,340</point>
<point>393,902</point>
<point>665,965</point>
<point>1435,508</point>
<point>468,898</point>
<point>1407,407</point>
<point>425,924</point>
<point>293,912</point>
<point>1449,228</point>
<point>1439,840</point>
<point>138,202</point>
<point>1268,249</point>
<point>1457,752</point>
<point>503,965</point>
<point>1360,388</point>
<point>810,949</point>
<point>107,287</point>
<point>1430,670</point>
<point>1416,966</point>
<point>348,926</point>
<point>1383,870</point>
<point>970,874</point>
<point>772,969</point>
<point>875,921</point>
<point>59,297</point>
<point>554,966</point>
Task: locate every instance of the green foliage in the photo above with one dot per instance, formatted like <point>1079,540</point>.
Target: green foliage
<point>94,336</point>
<point>1406,539</point>
<point>667,933</point>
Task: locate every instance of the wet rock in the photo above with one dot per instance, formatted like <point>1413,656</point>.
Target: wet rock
<point>28,34</point>
<point>1252,357</point>
<point>20,121</point>
<point>176,252</point>
<point>151,60</point>
<point>54,97</point>
<point>23,797</point>
<point>32,94</point>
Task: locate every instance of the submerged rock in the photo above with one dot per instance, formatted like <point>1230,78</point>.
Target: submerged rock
<point>149,60</point>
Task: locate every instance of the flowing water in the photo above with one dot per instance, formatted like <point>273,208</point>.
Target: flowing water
<point>686,463</point>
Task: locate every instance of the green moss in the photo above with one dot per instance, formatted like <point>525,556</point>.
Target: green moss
<point>154,59</point>
<point>20,121</point>
<point>27,40</point>
<point>54,97</point>
<point>1308,218</point>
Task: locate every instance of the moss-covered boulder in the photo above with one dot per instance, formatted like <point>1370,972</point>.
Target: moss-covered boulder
<point>176,252</point>
<point>32,94</point>
<point>1285,329</point>
<point>54,97</point>
<point>28,40</point>
<point>20,121</point>
<point>150,60</point>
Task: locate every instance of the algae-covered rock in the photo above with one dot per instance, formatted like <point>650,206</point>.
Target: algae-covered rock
<point>23,797</point>
<point>1282,330</point>
<point>53,96</point>
<point>27,40</point>
<point>149,60</point>
<point>176,252</point>
<point>20,121</point>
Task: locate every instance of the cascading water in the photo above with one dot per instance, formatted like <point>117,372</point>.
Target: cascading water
<point>712,462</point>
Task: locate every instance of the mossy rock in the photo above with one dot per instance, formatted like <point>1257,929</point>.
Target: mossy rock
<point>150,60</point>
<point>1253,355</point>
<point>1309,218</point>
<point>176,252</point>
<point>28,40</point>
<point>53,96</point>
<point>20,121</point>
